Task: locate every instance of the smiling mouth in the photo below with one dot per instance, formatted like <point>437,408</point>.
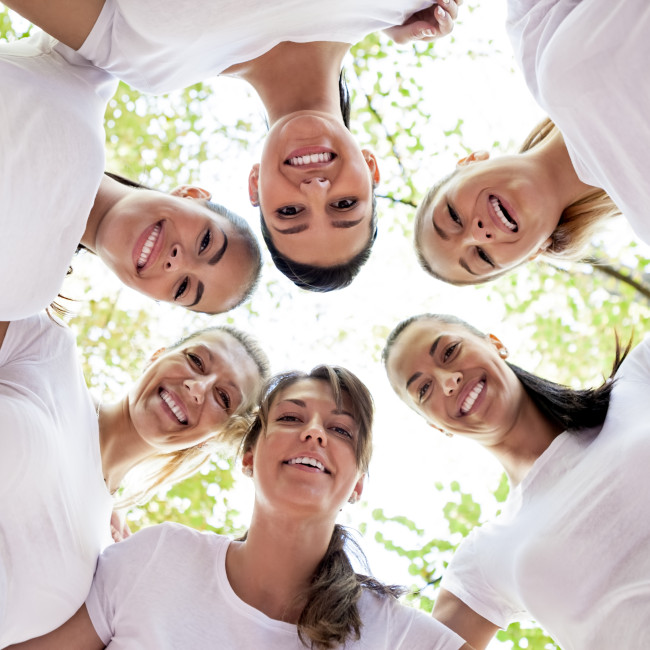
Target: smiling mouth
<point>173,406</point>
<point>468,402</point>
<point>503,215</point>
<point>309,462</point>
<point>322,157</point>
<point>148,246</point>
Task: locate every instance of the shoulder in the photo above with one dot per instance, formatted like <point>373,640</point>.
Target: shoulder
<point>636,366</point>
<point>401,626</point>
<point>37,338</point>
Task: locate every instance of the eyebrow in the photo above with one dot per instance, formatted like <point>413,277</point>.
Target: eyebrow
<point>441,233</point>
<point>432,351</point>
<point>302,227</point>
<point>200,288</point>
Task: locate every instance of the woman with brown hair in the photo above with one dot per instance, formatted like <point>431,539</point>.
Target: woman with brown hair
<point>569,548</point>
<point>289,582</point>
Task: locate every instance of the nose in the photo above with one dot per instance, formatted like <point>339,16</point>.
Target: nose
<point>174,258</point>
<point>479,230</point>
<point>197,387</point>
<point>316,185</point>
<point>314,430</point>
<point>450,382</point>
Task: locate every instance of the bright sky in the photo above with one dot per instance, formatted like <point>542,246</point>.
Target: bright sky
<point>300,329</point>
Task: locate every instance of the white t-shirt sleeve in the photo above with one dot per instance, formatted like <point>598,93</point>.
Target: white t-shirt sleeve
<point>466,580</point>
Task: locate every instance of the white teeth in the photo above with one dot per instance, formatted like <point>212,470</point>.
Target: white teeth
<point>311,158</point>
<point>471,398</point>
<point>148,246</point>
<point>499,212</point>
<point>307,461</point>
<point>176,410</point>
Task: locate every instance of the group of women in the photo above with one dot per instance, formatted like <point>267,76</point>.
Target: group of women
<point>576,459</point>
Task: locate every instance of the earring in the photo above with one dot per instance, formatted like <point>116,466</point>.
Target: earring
<point>503,353</point>
<point>354,497</point>
<point>449,435</point>
<point>247,471</point>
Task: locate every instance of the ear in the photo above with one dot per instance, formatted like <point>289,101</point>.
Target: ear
<point>371,161</point>
<point>542,249</point>
<point>247,461</point>
<point>158,353</point>
<point>501,349</point>
<point>358,488</point>
<point>191,192</point>
<point>475,156</point>
<point>253,180</point>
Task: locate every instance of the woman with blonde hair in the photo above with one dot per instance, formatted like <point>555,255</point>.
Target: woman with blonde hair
<point>62,457</point>
<point>289,582</point>
<point>570,546</point>
<point>492,214</point>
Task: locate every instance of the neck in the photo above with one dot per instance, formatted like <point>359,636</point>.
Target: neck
<point>120,445</point>
<point>557,166</point>
<point>296,77</point>
<point>108,194</point>
<point>528,439</point>
<point>276,563</point>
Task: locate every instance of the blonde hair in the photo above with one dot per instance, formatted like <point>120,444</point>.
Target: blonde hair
<point>579,221</point>
<point>164,469</point>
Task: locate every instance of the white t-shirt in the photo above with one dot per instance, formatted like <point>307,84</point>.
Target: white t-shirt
<point>54,507</point>
<point>572,545</point>
<point>166,587</point>
<point>586,63</point>
<point>52,106</point>
<point>157,46</point>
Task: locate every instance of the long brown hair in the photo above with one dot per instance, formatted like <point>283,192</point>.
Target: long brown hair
<point>330,616</point>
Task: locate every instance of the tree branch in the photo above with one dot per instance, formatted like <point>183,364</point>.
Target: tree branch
<point>606,268</point>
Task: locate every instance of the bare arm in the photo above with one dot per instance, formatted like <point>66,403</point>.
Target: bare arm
<point>463,620</point>
<point>69,21</point>
<point>3,330</point>
<point>77,633</point>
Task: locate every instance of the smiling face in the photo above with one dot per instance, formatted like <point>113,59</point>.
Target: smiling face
<point>306,457</point>
<point>188,393</point>
<point>314,187</point>
<point>456,380</point>
<point>175,249</point>
<point>488,217</point>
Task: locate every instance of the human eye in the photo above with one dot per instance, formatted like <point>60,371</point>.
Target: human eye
<point>288,211</point>
<point>287,418</point>
<point>484,256</point>
<point>449,351</point>
<point>342,431</point>
<point>223,398</point>
<point>181,289</point>
<point>196,360</point>
<point>205,242</point>
<point>454,215</point>
<point>344,204</point>
<point>423,390</point>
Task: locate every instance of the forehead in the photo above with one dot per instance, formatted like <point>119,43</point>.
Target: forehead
<point>222,345</point>
<point>314,392</point>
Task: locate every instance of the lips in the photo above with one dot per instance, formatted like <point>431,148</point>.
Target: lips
<point>471,396</point>
<point>173,406</point>
<point>307,463</point>
<point>502,214</point>
<point>148,247</point>
<point>315,157</point>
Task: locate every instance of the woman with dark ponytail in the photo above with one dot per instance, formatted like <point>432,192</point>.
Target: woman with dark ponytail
<point>570,547</point>
<point>289,582</point>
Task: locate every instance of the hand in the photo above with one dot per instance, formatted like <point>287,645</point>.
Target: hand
<point>428,24</point>
<point>119,528</point>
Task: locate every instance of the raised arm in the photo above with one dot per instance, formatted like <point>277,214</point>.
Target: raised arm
<point>463,620</point>
<point>69,21</point>
<point>77,633</point>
